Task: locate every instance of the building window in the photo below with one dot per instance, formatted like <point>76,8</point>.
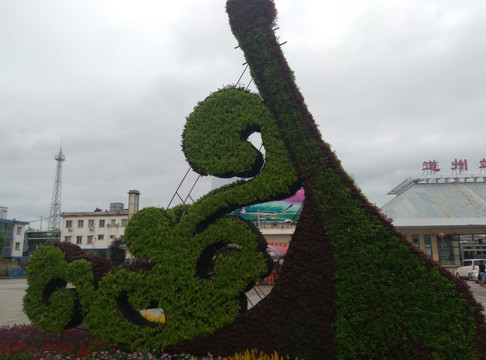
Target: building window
<point>112,237</point>
<point>89,240</point>
<point>67,239</point>
<point>415,241</point>
<point>124,222</point>
<point>101,237</point>
<point>8,245</point>
<point>69,223</point>
<point>113,222</point>
<point>447,247</point>
<point>80,223</point>
<point>79,240</point>
<point>428,244</point>
<point>19,230</point>
<point>101,223</point>
<point>17,246</point>
<point>90,223</point>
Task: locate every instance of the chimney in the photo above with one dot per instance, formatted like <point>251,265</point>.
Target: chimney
<point>133,202</point>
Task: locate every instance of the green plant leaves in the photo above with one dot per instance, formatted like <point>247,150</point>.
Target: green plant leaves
<point>201,261</point>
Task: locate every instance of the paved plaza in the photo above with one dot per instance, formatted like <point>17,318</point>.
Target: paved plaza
<point>13,290</point>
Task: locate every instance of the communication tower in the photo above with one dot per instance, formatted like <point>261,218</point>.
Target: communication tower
<point>55,214</point>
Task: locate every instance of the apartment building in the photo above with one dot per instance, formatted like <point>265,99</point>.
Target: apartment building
<point>96,230</point>
<point>12,247</point>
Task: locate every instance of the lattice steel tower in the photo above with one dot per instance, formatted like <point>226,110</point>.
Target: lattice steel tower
<point>55,215</point>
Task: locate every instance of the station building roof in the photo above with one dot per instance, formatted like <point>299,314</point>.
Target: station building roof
<point>435,202</point>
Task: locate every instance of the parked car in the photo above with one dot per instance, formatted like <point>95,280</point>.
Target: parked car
<point>468,268</point>
<point>474,275</point>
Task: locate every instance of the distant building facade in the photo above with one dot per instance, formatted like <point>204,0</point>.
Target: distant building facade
<point>277,233</point>
<point>36,238</point>
<point>12,257</point>
<point>443,216</point>
<point>96,230</point>
<point>14,233</point>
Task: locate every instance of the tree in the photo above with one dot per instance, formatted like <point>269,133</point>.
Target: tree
<point>117,252</point>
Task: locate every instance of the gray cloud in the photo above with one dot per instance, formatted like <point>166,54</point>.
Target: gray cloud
<point>390,85</point>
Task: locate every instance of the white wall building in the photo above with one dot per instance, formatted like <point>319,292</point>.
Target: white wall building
<point>93,230</point>
<point>18,238</point>
<point>277,233</point>
<point>3,212</point>
<point>96,230</point>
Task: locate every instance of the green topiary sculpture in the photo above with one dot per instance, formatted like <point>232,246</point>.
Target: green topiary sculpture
<point>351,286</point>
<point>202,261</point>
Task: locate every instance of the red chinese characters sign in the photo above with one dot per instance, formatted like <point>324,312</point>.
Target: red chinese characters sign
<point>459,166</point>
<point>482,165</point>
<point>430,167</point>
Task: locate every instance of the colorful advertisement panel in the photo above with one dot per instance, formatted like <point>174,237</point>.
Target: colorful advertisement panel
<point>287,210</point>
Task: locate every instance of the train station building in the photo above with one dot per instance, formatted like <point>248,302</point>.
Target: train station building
<point>443,216</point>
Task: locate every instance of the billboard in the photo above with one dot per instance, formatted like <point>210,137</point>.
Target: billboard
<point>287,210</point>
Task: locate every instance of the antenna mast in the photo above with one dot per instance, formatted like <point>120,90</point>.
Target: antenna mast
<point>55,214</point>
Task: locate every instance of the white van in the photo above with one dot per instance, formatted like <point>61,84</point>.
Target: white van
<point>468,266</point>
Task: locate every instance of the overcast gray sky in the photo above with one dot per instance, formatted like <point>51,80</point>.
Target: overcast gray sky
<point>391,84</point>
